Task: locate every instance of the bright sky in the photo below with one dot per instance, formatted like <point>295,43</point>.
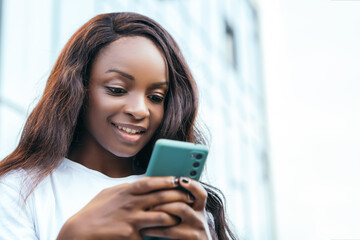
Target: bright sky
<point>311,54</point>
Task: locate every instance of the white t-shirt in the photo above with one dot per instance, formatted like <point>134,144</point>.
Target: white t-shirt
<point>58,197</point>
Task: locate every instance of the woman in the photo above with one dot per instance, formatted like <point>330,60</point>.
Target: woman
<point>119,84</point>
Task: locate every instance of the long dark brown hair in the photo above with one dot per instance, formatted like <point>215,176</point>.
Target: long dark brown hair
<point>53,127</point>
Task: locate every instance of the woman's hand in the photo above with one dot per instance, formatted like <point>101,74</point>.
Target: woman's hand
<point>121,212</point>
<point>193,222</point>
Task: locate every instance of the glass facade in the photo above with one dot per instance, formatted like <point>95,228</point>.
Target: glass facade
<point>220,41</point>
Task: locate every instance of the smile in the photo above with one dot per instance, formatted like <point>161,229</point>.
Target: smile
<point>129,130</point>
<point>129,133</point>
<point>132,130</point>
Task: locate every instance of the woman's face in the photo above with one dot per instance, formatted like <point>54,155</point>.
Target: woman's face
<point>128,84</point>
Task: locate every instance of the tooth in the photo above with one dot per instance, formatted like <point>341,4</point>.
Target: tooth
<point>129,130</point>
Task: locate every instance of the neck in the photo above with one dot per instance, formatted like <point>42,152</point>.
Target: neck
<point>95,157</point>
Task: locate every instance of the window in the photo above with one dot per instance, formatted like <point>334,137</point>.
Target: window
<point>230,46</point>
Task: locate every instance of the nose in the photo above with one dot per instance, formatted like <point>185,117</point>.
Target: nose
<point>136,106</point>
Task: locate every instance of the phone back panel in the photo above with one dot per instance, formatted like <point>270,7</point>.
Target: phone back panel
<point>176,158</point>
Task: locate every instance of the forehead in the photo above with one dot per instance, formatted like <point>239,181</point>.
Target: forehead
<point>137,54</point>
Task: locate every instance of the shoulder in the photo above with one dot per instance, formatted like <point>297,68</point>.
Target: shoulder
<point>15,213</point>
<point>22,182</point>
<point>20,179</point>
<point>13,181</point>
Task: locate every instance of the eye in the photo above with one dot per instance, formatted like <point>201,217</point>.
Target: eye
<point>116,91</point>
<point>156,98</point>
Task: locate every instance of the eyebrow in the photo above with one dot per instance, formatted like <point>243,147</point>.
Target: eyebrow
<point>126,75</point>
<point>160,84</point>
<point>130,77</point>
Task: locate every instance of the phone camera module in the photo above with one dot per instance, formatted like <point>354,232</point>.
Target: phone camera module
<point>198,156</point>
<point>192,173</point>
<point>196,164</point>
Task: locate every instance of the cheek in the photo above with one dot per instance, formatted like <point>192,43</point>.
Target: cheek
<point>101,104</point>
<point>93,119</point>
<point>97,111</point>
<point>158,116</point>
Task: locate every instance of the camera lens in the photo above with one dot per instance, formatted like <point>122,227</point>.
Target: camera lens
<point>199,156</point>
<point>196,164</point>
<point>192,173</point>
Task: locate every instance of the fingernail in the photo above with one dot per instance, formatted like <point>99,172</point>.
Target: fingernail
<point>176,181</point>
<point>185,180</point>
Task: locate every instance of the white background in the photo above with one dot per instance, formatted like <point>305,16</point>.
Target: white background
<point>311,52</point>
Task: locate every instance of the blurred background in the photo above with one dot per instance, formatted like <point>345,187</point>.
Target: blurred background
<point>279,88</point>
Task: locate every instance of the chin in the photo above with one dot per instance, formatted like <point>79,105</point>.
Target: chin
<point>127,154</point>
<point>125,151</point>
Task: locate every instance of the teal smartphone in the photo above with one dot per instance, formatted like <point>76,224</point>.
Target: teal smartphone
<point>177,158</point>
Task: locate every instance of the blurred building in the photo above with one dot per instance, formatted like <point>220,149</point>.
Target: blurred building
<point>219,39</point>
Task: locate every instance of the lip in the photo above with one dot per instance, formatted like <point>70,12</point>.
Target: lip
<point>135,127</point>
<point>126,137</point>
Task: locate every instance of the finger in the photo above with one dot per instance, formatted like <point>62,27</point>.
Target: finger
<point>178,232</point>
<point>156,219</point>
<point>165,196</point>
<point>197,190</point>
<point>150,184</point>
<point>185,212</point>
